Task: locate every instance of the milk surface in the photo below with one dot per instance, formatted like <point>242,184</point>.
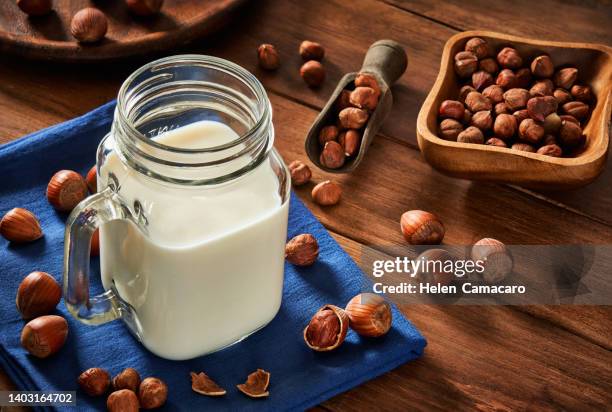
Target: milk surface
<point>209,271</point>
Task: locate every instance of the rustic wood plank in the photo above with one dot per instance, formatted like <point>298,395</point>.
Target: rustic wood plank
<point>486,358</point>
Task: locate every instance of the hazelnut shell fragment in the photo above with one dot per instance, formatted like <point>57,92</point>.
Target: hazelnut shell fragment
<point>302,250</point>
<point>202,384</point>
<point>256,385</point>
<point>152,393</point>
<point>327,329</point>
<point>20,225</point>
<point>38,294</point>
<point>94,381</point>
<point>369,314</point>
<point>421,228</point>
<point>45,335</point>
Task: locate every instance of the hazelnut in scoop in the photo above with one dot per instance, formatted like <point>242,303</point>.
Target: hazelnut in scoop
<point>364,98</point>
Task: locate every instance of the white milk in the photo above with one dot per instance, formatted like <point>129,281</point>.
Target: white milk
<point>210,270</point>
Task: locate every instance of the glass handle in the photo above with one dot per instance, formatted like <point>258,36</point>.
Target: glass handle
<point>92,212</point>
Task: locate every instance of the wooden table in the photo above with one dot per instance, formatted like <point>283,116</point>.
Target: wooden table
<point>488,358</point>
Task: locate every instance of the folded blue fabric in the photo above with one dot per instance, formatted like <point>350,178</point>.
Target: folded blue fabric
<point>300,378</point>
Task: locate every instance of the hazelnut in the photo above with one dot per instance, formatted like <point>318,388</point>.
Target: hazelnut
<point>350,141</point>
<point>452,109</point>
<point>256,385</point>
<point>45,335</point>
<point>552,123</point>
<point>509,58</point>
<point>367,80</point>
<point>582,93</point>
<point>466,63</point>
<point>302,250</point>
<point>542,66</point>
<point>313,73</point>
<point>422,228</point>
<point>550,150</point>
<point>152,393</point>
<point>369,315</point>
<point>94,247</point>
<point>92,180</point>
<point>202,384</point>
<point>494,141</point>
<point>496,259</point>
<point>481,79</point>
<point>328,133</point>
<point>501,108</point>
<point>478,46</point>
<point>310,50</point>
<point>123,400</point>
<point>66,189</point>
<point>332,155</point>
<point>364,98</point>
<point>344,100</point>
<point>326,193</point>
<point>562,96</point>
<point>516,98</point>
<point>565,78</point>
<point>38,294</point>
<point>449,129</point>
<point>20,225</point>
<point>523,147</point>
<point>542,88</point>
<point>471,135</point>
<point>523,78</point>
<point>520,115</point>
<point>495,93</point>
<point>570,134</point>
<point>144,7</point>
<point>483,120</point>
<point>35,7</point>
<point>327,329</point>
<point>94,381</point>
<point>353,118</point>
<point>267,56</point>
<point>506,79</point>
<point>579,110</point>
<point>549,139</point>
<point>476,102</point>
<point>505,126</point>
<point>540,107</point>
<point>467,117</point>
<point>465,90</point>
<point>300,173</point>
<point>434,272</point>
<point>489,65</point>
<point>89,25</point>
<point>128,378</point>
<point>530,131</point>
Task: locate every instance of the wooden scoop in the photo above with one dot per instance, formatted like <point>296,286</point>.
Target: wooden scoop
<point>386,60</point>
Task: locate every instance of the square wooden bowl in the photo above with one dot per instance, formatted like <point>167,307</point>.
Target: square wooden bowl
<point>504,165</point>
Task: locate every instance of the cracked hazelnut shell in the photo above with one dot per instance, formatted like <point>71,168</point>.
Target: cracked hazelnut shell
<point>421,228</point>
<point>369,315</point>
<point>327,329</point>
<point>256,385</point>
<point>20,226</point>
<point>66,189</point>
<point>202,384</point>
<point>302,250</point>
<point>38,294</point>
<point>45,335</point>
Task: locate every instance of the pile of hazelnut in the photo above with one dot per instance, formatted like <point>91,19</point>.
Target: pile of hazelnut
<point>128,392</point>
<point>354,105</point>
<point>508,102</point>
<point>89,25</point>
<point>312,71</point>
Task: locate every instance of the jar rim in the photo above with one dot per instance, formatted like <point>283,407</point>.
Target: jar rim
<point>264,107</point>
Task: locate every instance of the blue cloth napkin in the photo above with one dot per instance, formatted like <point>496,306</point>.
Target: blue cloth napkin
<point>300,378</point>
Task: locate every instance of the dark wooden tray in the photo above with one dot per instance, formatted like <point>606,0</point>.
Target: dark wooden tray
<point>48,37</point>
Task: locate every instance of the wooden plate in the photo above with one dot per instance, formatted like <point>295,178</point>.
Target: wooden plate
<point>48,37</point>
<point>503,165</point>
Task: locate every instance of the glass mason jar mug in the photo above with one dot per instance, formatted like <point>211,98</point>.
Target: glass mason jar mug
<point>192,207</point>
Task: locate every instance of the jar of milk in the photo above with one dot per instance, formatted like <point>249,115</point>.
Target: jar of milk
<point>192,207</point>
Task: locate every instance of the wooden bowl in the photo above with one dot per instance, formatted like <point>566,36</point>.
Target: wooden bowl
<point>504,165</point>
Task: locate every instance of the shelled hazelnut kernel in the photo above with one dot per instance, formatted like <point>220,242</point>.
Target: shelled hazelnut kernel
<point>35,7</point>
<point>542,88</point>
<point>481,79</point>
<point>327,329</point>
<point>38,294</point>
<point>311,50</point>
<point>471,135</point>
<point>582,93</point>
<point>540,107</point>
<point>464,91</point>
<point>550,150</point>
<point>152,393</point>
<point>570,134</point>
<point>94,381</point>
<point>577,109</point>
<point>523,147</point>
<point>128,378</point>
<point>501,108</point>
<point>505,126</point>
<point>300,173</point>
<point>332,155</point>
<point>566,77</point>
<point>20,226</point>
<point>488,65</point>
<point>66,189</point>
<point>530,131</point>
<point>367,80</point>
<point>421,228</point>
<point>495,93</point>
<point>328,133</point>
<point>483,120</point>
<point>542,66</point>
<point>520,115</point>
<point>523,78</point>
<point>562,96</point>
<point>449,129</point>
<point>89,25</point>
<point>267,56</point>
<point>45,335</point>
<point>516,98</point>
<point>353,118</point>
<point>466,63</point>
<point>302,250</point>
<point>476,102</point>
<point>452,109</point>
<point>326,193</point>
<point>506,79</point>
<point>350,141</point>
<point>364,97</point>
<point>369,315</point>
<point>509,58</point>
<point>313,73</point>
<point>123,400</point>
<point>494,141</point>
<point>467,117</point>
<point>344,100</point>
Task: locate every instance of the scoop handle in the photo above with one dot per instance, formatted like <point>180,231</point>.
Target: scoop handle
<point>387,59</point>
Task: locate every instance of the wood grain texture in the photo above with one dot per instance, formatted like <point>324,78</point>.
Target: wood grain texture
<point>48,37</point>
